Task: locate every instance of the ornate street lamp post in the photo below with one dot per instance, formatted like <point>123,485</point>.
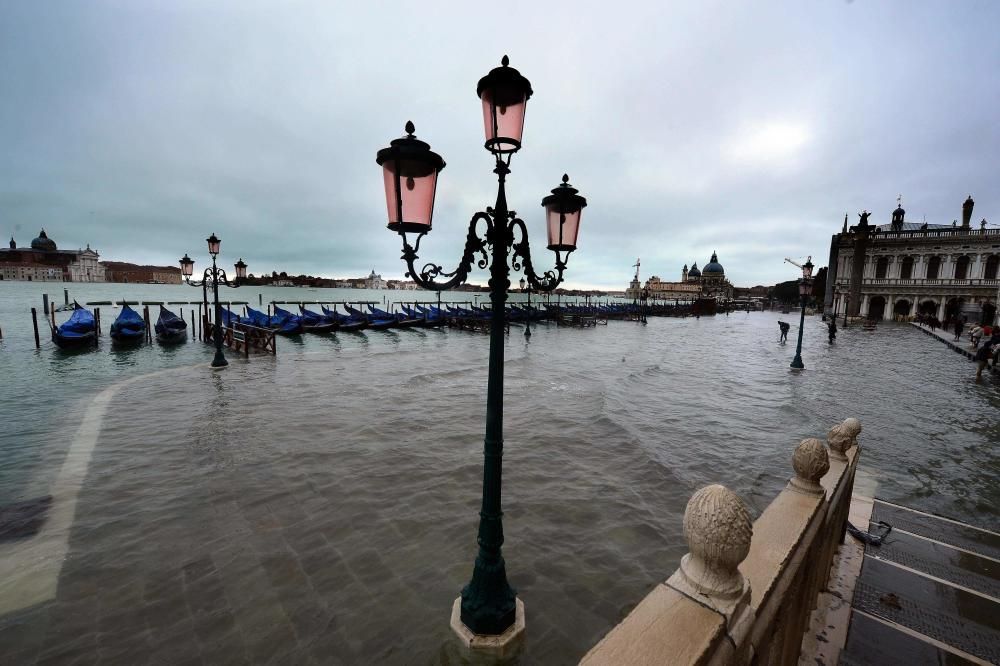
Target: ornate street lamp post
<point>488,604</point>
<point>214,276</point>
<point>525,287</point>
<point>805,286</point>
<point>644,306</point>
<point>847,304</point>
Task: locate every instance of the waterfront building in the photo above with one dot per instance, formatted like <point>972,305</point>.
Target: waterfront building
<point>43,261</point>
<point>708,282</point>
<point>375,281</point>
<point>902,268</point>
<point>120,271</point>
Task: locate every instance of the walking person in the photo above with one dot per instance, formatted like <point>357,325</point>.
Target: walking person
<point>985,353</point>
<point>959,323</point>
<point>784,326</point>
<point>831,328</point>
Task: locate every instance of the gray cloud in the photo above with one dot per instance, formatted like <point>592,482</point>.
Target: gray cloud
<point>142,127</point>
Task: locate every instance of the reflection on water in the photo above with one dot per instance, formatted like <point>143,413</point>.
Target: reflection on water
<point>323,503</point>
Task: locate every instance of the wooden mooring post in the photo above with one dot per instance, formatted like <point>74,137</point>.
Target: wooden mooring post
<point>145,316</point>
<point>34,323</point>
<point>97,321</point>
<point>194,324</point>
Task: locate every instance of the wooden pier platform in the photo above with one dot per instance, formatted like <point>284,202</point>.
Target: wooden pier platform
<point>929,594</point>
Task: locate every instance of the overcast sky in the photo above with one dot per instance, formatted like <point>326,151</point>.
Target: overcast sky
<point>745,128</point>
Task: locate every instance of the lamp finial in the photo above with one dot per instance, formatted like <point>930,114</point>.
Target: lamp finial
<point>505,61</point>
<point>409,128</point>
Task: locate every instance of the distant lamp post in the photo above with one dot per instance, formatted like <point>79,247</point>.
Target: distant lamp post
<point>643,306</point>
<point>525,287</point>
<point>847,304</point>
<point>805,286</point>
<point>488,604</point>
<point>214,276</point>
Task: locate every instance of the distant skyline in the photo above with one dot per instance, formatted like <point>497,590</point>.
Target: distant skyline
<point>748,129</point>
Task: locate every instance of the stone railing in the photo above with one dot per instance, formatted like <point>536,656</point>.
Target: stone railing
<point>925,282</point>
<point>744,592</point>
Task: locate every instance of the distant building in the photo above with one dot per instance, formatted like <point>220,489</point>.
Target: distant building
<point>44,262</point>
<point>374,281</point>
<point>708,282</point>
<point>121,271</point>
<point>902,268</point>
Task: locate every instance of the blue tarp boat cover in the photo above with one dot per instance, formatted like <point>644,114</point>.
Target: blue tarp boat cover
<point>168,323</point>
<point>81,323</point>
<point>129,323</point>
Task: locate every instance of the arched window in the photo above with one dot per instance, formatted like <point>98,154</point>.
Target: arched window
<point>881,266</point>
<point>933,268</point>
<point>962,268</point>
<point>992,265</point>
<point>906,269</point>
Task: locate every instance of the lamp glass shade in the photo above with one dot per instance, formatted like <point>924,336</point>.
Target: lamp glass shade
<point>214,244</point>
<point>807,269</point>
<point>409,194</point>
<point>187,266</point>
<point>562,216</point>
<point>503,119</point>
<point>409,173</point>
<point>804,288</point>
<point>241,269</point>
<point>523,284</point>
<point>563,228</point>
<point>504,94</point>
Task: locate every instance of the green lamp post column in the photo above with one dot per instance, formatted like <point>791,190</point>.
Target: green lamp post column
<point>488,603</point>
<point>805,286</point>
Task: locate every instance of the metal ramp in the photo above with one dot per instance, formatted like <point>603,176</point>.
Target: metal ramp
<point>930,594</point>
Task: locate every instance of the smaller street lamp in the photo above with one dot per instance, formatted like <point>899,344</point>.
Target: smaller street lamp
<point>214,276</point>
<point>805,286</point>
<point>525,287</point>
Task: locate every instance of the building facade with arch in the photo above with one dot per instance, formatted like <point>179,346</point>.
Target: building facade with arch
<point>900,269</point>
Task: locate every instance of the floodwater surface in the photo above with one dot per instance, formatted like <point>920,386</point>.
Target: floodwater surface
<point>321,506</point>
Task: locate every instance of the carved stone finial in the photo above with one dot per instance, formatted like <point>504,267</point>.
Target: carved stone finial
<point>718,529</point>
<point>852,427</point>
<point>811,462</point>
<point>838,441</point>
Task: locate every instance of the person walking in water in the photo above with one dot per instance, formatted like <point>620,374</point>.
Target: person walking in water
<point>984,355</point>
<point>784,326</point>
<point>958,328</point>
<point>831,327</point>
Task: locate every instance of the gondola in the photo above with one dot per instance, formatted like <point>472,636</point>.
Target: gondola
<point>401,318</point>
<point>348,324</point>
<point>282,325</point>
<point>288,323</point>
<point>375,322</point>
<point>314,322</point>
<point>129,328</point>
<point>78,331</point>
<point>170,329</point>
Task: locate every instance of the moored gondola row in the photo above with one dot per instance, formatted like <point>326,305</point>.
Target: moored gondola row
<point>255,329</point>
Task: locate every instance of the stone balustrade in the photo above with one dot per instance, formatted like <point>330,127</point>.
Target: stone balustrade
<point>744,592</point>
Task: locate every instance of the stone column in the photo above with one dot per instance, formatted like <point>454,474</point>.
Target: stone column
<point>863,310</point>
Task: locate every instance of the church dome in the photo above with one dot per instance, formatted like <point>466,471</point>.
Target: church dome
<point>694,272</point>
<point>44,243</point>
<point>713,267</point>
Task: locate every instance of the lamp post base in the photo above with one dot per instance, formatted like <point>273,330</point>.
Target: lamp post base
<point>797,364</point>
<point>219,361</point>
<point>501,645</point>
